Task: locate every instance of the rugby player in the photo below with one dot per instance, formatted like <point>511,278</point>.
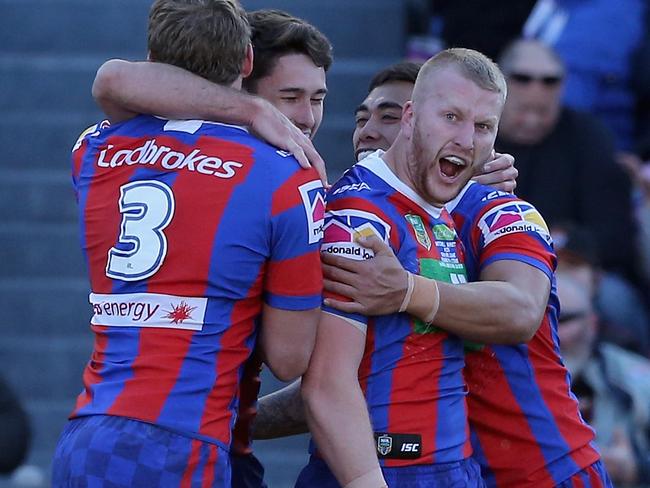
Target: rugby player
<point>191,231</point>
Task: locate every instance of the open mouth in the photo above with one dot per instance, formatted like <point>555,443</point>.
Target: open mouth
<point>363,152</point>
<point>451,166</point>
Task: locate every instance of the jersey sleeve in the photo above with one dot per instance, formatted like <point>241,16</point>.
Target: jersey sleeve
<point>294,278</point>
<point>512,229</point>
<point>80,147</point>
<point>347,219</point>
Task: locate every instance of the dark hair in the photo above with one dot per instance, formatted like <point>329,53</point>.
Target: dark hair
<point>207,37</point>
<point>403,71</point>
<point>276,33</point>
<point>512,52</point>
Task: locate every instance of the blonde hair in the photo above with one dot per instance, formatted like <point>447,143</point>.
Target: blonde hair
<point>473,65</point>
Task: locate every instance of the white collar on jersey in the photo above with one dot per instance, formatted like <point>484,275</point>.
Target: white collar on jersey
<point>191,126</point>
<point>374,163</point>
<point>451,205</point>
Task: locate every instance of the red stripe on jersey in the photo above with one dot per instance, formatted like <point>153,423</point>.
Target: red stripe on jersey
<point>301,275</point>
<point>160,356</point>
<point>208,470</point>
<point>408,405</point>
<point>232,355</point>
<point>521,244</point>
<point>405,397</point>
<point>367,206</point>
<point>92,373</point>
<point>557,395</point>
<point>186,481</point>
<point>288,196</point>
<point>102,222</point>
<point>190,261</point>
<point>595,481</point>
<point>486,380</point>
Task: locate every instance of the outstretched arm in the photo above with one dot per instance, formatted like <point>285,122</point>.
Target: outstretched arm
<point>505,307</point>
<point>336,408</point>
<point>280,414</point>
<point>124,89</point>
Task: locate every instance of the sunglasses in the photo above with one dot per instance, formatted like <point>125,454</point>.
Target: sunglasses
<point>549,80</point>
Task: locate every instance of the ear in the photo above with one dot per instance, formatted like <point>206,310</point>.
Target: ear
<point>247,65</point>
<point>408,120</point>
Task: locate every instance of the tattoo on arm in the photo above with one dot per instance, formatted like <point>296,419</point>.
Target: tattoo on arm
<point>280,414</point>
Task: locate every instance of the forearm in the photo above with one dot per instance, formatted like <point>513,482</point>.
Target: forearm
<point>280,414</point>
<point>339,423</point>
<point>169,91</point>
<point>335,407</point>
<point>487,312</point>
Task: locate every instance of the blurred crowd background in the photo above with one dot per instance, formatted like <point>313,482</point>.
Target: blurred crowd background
<point>577,121</point>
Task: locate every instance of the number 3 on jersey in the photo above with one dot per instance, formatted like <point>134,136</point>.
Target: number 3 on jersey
<point>147,207</point>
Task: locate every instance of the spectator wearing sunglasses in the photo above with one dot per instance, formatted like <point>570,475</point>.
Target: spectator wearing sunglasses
<point>611,385</point>
<point>565,158</point>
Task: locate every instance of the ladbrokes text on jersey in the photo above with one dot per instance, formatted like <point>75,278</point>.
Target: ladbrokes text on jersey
<point>162,156</point>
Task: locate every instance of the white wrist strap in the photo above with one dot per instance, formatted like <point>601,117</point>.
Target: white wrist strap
<point>409,292</point>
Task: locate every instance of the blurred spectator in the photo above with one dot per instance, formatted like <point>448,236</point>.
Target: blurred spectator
<point>598,41</point>
<point>639,172</point>
<point>623,316</point>
<point>611,385</point>
<point>484,25</point>
<point>15,433</point>
<point>565,158</point>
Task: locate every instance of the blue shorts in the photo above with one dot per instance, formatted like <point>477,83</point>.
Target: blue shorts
<point>594,476</point>
<point>461,474</point>
<point>107,451</point>
<point>247,471</point>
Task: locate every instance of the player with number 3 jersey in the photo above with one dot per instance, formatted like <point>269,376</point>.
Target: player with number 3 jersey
<point>200,240</point>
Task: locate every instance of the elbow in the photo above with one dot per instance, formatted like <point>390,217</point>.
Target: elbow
<point>524,325</point>
<point>289,366</point>
<point>107,76</point>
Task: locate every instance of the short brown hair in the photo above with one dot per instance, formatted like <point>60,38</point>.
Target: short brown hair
<point>207,37</point>
<point>276,33</point>
<point>472,64</point>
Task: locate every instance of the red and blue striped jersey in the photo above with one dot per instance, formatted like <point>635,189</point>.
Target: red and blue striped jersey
<point>187,227</point>
<point>526,427</point>
<point>411,373</point>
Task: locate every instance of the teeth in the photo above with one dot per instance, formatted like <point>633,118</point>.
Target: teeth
<point>363,154</point>
<point>455,160</point>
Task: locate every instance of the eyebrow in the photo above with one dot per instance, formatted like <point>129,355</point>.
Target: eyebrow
<point>382,106</point>
<point>321,91</point>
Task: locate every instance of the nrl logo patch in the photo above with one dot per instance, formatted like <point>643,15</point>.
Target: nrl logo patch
<point>443,233</point>
<point>384,444</point>
<point>420,231</point>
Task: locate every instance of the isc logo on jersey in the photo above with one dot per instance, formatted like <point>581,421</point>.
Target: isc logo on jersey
<point>313,199</point>
<point>510,218</point>
<point>343,227</point>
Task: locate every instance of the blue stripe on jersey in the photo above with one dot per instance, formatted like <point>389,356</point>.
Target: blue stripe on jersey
<point>531,400</point>
<point>536,263</point>
<point>121,343</point>
<point>452,408</point>
<point>387,352</point>
<point>479,455</point>
<point>293,303</point>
